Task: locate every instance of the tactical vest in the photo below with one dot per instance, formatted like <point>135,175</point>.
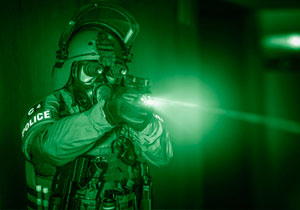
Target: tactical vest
<point>107,177</point>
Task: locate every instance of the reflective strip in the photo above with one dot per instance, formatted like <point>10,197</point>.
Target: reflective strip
<point>108,208</point>
<point>128,36</point>
<point>39,202</point>
<point>33,202</point>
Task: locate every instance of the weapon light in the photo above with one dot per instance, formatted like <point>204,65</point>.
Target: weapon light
<point>282,124</point>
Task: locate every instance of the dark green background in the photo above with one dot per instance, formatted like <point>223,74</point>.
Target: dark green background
<point>197,51</point>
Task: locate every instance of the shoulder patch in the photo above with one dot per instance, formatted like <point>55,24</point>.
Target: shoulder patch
<point>35,115</point>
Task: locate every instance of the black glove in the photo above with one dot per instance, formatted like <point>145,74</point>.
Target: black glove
<point>126,107</point>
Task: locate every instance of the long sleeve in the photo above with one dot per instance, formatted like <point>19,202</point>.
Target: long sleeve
<point>153,144</point>
<point>59,141</point>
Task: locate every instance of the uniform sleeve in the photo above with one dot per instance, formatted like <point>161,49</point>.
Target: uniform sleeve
<point>59,141</point>
<point>153,144</point>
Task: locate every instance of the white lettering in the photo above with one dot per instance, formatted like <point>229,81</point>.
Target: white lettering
<point>39,116</point>
<point>38,106</point>
<point>27,126</point>
<point>47,114</point>
<point>30,111</point>
<point>34,121</point>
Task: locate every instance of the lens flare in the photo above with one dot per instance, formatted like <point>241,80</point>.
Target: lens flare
<point>148,101</point>
<point>156,102</point>
<point>278,123</point>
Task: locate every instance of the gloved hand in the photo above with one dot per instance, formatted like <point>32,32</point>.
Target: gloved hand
<point>126,107</point>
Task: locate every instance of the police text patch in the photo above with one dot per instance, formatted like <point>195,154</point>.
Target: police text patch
<point>35,115</point>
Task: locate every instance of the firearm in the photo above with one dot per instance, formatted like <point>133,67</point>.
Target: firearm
<point>140,84</point>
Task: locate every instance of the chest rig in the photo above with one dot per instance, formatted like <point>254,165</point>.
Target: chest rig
<point>113,179</point>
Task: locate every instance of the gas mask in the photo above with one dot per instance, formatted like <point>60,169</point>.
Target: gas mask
<point>94,81</point>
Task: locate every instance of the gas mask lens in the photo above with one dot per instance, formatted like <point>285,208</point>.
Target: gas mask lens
<point>89,71</point>
<point>117,71</point>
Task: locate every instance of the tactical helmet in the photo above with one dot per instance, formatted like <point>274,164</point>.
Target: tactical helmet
<point>93,29</point>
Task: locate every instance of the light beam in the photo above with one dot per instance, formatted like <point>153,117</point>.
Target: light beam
<point>278,123</point>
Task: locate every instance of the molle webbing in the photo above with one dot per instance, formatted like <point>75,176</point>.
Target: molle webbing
<point>39,197</point>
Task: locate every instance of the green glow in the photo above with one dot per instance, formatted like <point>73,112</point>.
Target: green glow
<point>175,99</point>
<point>285,41</point>
<point>148,101</point>
<point>294,41</point>
<point>278,123</point>
<point>158,102</point>
<point>282,124</point>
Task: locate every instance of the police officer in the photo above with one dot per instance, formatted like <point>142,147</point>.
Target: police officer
<point>87,145</point>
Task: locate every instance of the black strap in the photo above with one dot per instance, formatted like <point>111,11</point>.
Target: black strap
<point>31,191</point>
<point>31,204</point>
